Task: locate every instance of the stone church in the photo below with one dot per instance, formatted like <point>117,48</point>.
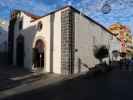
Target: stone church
<point>58,42</point>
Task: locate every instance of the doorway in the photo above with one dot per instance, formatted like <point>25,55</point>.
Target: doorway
<point>38,55</point>
<point>20,51</point>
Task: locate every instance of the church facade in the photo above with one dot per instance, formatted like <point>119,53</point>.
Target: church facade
<point>60,42</point>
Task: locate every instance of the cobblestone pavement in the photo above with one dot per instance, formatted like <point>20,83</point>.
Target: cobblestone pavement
<point>114,85</point>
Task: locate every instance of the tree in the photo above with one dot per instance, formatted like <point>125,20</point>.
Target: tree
<point>101,52</point>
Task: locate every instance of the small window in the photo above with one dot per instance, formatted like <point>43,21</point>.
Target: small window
<point>21,25</point>
<point>40,26</point>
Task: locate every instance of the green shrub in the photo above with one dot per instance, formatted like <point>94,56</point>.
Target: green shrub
<point>101,52</point>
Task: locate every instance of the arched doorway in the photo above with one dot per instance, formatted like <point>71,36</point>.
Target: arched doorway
<point>20,51</point>
<point>115,55</point>
<point>38,55</point>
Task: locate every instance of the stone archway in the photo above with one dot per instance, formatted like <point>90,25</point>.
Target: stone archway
<point>20,51</point>
<point>39,54</point>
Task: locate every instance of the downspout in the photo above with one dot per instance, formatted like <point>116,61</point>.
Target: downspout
<point>52,18</point>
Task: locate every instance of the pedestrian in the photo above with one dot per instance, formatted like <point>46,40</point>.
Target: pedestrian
<point>131,63</point>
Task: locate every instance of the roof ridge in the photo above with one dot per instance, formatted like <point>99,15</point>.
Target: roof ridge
<point>78,11</point>
<point>28,13</point>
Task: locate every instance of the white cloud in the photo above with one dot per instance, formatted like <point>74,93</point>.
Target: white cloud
<point>121,11</point>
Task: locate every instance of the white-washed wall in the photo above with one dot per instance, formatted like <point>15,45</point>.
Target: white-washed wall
<point>31,34</point>
<point>88,34</point>
<point>45,34</point>
<point>17,32</point>
<point>57,43</point>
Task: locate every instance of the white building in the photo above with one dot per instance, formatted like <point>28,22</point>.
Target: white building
<point>115,46</point>
<point>59,42</point>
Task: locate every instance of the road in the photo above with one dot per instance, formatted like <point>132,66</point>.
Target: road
<point>114,85</point>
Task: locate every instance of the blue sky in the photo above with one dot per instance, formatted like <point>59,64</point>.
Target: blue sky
<point>121,10</point>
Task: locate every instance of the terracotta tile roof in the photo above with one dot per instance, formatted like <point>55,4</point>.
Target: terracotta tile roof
<point>35,17</point>
<point>31,15</point>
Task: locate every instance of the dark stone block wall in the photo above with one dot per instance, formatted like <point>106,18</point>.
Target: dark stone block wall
<point>67,42</point>
<point>10,40</point>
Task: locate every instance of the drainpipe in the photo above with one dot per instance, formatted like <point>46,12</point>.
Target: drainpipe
<point>52,17</point>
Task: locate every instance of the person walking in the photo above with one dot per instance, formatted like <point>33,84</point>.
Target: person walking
<point>131,64</point>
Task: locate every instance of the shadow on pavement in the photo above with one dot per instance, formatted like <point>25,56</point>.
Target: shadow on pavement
<point>11,77</point>
<point>113,85</point>
<point>72,89</point>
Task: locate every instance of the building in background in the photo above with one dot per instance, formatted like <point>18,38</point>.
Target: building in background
<point>124,34</point>
<point>58,42</point>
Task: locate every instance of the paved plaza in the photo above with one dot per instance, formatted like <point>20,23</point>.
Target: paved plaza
<point>114,85</point>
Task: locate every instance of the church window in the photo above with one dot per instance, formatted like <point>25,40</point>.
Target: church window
<point>40,26</point>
